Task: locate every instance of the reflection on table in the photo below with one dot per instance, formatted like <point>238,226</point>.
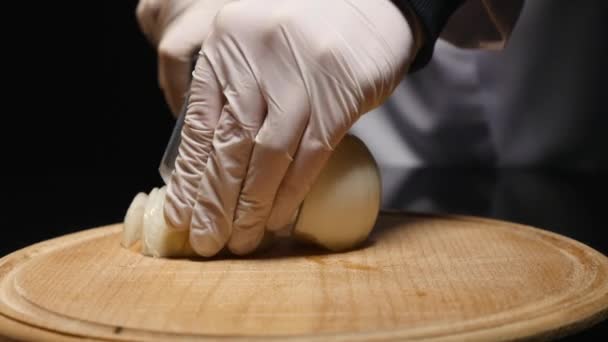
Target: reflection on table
<point>569,204</point>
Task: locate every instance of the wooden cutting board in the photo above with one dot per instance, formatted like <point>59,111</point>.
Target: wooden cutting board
<point>419,277</point>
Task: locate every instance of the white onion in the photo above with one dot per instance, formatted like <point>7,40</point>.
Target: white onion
<point>341,208</point>
<point>338,213</point>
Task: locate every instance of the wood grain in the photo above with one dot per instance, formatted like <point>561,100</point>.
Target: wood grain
<point>419,277</point>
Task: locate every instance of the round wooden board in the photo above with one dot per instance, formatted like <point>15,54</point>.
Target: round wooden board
<point>419,277</point>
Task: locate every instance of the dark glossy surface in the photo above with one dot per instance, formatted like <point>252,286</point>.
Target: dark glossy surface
<point>572,204</point>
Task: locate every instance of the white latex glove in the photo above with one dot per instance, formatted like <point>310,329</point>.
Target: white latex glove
<point>177,28</point>
<point>277,85</point>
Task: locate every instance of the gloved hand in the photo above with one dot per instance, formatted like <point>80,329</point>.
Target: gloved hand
<point>177,28</point>
<point>277,85</point>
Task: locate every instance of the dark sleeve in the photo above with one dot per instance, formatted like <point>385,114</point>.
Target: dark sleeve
<point>433,16</point>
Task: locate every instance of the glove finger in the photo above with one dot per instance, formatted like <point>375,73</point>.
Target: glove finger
<point>332,113</point>
<point>182,39</point>
<point>226,168</point>
<point>147,14</point>
<point>308,162</point>
<point>204,108</point>
<point>286,95</point>
<point>326,126</point>
<point>275,144</point>
<point>174,69</point>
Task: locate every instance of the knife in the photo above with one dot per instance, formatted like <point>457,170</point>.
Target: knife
<point>167,163</point>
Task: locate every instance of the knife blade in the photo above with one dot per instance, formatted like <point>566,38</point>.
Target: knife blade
<point>167,163</point>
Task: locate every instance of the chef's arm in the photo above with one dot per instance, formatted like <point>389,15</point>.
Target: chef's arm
<point>471,24</point>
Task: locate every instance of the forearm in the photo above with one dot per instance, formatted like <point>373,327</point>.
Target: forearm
<point>427,19</point>
<point>469,24</point>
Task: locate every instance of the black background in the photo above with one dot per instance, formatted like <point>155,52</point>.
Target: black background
<point>87,118</point>
<point>85,126</point>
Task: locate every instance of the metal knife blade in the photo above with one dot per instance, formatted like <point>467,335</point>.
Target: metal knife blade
<point>167,164</point>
